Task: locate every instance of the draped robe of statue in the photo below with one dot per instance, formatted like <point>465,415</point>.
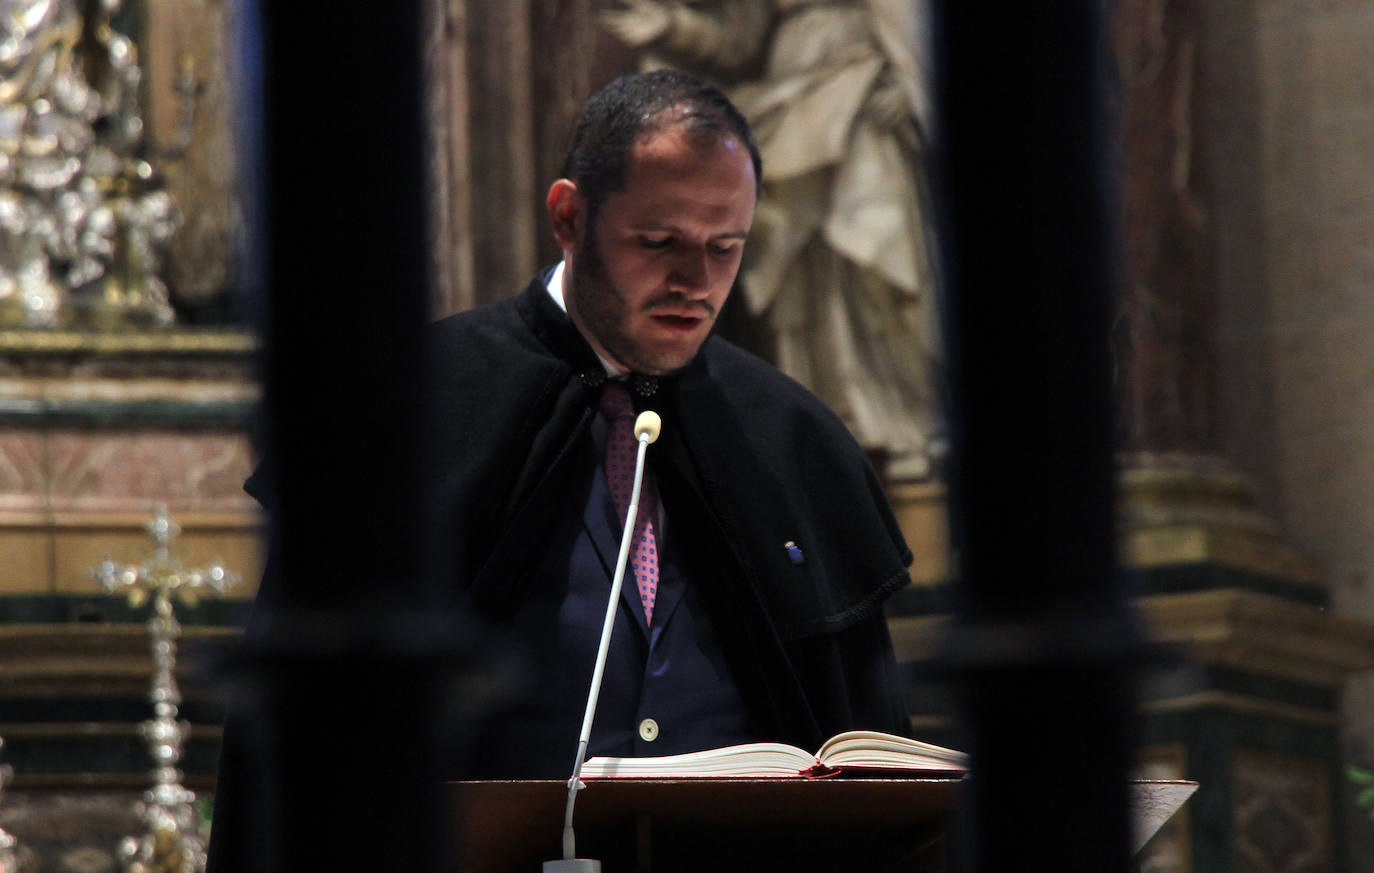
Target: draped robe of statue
<point>837,263</point>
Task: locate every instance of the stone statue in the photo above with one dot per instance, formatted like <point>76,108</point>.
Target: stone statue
<point>838,264</point>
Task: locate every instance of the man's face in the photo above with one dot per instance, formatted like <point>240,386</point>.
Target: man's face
<point>649,279</point>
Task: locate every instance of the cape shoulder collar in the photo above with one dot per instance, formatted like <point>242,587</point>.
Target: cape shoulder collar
<point>555,330</point>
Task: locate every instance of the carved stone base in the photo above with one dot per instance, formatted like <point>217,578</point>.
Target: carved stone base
<point>97,428</point>
<point>1250,704</point>
<point>1181,510</point>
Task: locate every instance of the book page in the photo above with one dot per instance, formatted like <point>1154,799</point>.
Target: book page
<point>872,749</point>
<point>749,759</point>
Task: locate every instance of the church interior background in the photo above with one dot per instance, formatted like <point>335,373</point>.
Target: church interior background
<point>1244,369</point>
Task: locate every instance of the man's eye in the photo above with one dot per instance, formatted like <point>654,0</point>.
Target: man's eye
<point>650,242</point>
<point>722,250</point>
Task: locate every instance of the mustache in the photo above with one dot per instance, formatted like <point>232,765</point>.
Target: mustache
<point>679,302</point>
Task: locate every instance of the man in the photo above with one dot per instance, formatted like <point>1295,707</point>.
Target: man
<point>767,546</point>
<point>773,546</point>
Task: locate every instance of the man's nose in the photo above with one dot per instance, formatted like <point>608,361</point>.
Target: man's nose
<point>692,273</point>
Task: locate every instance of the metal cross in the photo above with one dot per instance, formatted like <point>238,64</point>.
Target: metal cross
<point>162,576</point>
<point>173,842</point>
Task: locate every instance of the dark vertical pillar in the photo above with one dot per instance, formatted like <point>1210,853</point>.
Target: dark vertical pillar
<point>340,757</point>
<point>1042,638</point>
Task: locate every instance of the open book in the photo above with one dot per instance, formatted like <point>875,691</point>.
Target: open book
<point>849,753</point>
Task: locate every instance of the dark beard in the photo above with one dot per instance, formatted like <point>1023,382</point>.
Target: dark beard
<point>604,311</point>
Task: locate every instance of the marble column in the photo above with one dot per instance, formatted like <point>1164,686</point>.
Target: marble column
<point>1240,439</point>
<point>1164,332</point>
<point>1254,715</point>
<point>1177,478</point>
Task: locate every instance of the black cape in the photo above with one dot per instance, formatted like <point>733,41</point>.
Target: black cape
<point>749,461</point>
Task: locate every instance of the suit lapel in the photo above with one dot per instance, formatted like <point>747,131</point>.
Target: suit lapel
<point>604,529</point>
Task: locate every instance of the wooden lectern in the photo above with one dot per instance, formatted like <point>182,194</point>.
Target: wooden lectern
<point>663,826</point>
<point>863,825</point>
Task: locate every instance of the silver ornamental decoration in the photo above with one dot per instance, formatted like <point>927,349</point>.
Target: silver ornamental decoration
<point>9,846</point>
<point>84,219</point>
<point>173,841</point>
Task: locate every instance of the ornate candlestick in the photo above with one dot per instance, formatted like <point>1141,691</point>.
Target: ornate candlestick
<point>173,842</point>
<point>9,846</point>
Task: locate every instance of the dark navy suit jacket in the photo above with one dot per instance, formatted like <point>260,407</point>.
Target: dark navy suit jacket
<point>674,674</point>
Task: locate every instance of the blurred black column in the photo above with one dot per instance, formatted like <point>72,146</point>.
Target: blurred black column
<point>344,651</point>
<point>1043,643</point>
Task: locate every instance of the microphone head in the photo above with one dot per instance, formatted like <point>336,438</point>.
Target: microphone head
<point>647,426</point>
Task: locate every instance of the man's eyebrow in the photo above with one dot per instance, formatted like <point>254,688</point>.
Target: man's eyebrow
<point>654,227</point>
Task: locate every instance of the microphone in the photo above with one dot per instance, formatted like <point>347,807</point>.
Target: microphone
<point>646,430</point>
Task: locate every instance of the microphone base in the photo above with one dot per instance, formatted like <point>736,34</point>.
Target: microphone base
<point>573,865</point>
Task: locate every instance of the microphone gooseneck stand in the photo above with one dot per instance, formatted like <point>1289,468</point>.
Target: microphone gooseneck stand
<point>647,427</point>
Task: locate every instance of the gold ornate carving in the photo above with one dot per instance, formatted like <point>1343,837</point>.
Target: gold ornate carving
<point>1193,509</point>
<point>1257,633</point>
<point>1174,510</point>
<point>1237,549</point>
<point>1261,634</point>
<point>164,342</point>
<point>1240,704</point>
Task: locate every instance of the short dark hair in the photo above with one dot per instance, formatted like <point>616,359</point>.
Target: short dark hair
<point>636,104</point>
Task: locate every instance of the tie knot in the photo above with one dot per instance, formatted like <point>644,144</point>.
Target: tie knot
<point>615,401</point>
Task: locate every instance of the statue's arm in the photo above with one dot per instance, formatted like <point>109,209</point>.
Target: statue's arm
<point>723,34</point>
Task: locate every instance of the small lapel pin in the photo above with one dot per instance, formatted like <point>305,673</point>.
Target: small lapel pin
<point>793,552</point>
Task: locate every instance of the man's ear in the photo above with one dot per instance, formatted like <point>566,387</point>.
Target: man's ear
<point>567,212</point>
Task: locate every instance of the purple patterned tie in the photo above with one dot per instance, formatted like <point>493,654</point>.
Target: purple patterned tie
<point>621,451</point>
